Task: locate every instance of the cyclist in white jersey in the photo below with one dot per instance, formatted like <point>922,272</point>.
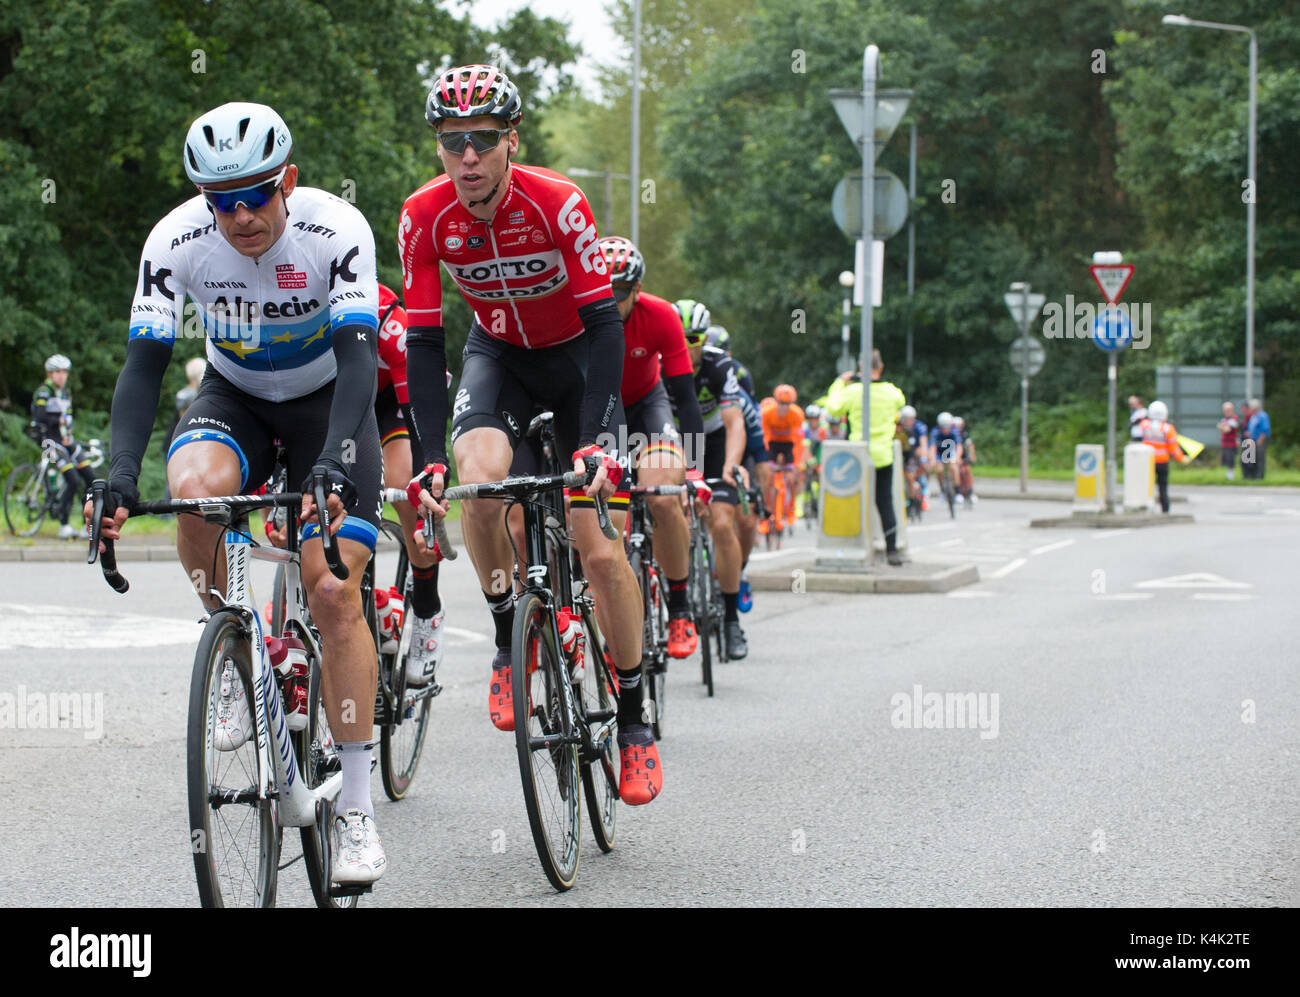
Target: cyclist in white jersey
<point>283,284</point>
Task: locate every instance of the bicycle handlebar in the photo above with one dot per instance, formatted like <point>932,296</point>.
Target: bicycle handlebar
<point>320,492</point>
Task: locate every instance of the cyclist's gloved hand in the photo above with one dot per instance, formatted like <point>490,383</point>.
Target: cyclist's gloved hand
<point>418,536</point>
<point>122,494</point>
<point>424,482</point>
<point>337,481</point>
<point>613,469</point>
<point>702,491</point>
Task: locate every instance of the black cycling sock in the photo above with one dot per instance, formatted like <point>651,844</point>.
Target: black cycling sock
<point>730,600</point>
<point>629,697</point>
<point>503,616</point>
<point>678,604</point>
<point>425,601</point>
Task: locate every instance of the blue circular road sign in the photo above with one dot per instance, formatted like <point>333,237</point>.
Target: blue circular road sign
<point>1111,330</point>
<point>843,474</point>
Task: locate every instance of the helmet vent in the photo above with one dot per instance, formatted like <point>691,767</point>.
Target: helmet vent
<point>243,127</point>
<point>270,143</point>
<point>207,133</point>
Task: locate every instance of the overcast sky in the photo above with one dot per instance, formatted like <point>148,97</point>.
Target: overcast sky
<point>589,26</point>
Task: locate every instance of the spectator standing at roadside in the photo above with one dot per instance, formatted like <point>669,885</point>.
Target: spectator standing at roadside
<point>1137,412</point>
<point>1229,431</point>
<point>1258,431</point>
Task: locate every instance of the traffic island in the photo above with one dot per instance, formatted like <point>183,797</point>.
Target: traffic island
<point>808,574</point>
<point>1112,520</point>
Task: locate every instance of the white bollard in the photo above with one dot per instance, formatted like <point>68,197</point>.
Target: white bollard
<point>1139,478</point>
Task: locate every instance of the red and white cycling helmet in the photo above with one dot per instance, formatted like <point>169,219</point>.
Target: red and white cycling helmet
<point>625,262</point>
<point>472,91</point>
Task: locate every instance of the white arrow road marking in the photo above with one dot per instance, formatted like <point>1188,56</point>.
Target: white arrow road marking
<point>1195,580</point>
<point>1006,569</point>
<point>1224,596</point>
<point>1126,596</point>
<point>1049,547</point>
<point>64,628</point>
<point>970,594</point>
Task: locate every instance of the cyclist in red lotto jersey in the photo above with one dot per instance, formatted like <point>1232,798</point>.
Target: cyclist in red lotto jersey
<point>520,244</point>
<point>657,365</point>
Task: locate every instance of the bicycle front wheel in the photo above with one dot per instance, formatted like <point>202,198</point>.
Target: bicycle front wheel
<point>700,607</point>
<point>25,500</point>
<point>548,758</point>
<point>233,834</point>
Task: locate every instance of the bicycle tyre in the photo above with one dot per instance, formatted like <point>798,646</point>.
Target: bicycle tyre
<point>23,491</point>
<point>548,770</point>
<point>317,853</point>
<point>950,496</point>
<point>700,609</point>
<point>401,744</point>
<point>225,642</point>
<point>653,676</point>
<point>600,774</point>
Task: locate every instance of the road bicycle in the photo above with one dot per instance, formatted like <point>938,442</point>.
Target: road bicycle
<point>654,597</point>
<point>566,708</point>
<point>242,797</point>
<point>34,491</point>
<point>774,525</point>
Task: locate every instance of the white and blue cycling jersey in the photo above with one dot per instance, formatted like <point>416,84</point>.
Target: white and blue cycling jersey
<point>946,446</point>
<point>268,321</point>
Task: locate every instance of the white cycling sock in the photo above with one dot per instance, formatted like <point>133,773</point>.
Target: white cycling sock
<point>355,794</point>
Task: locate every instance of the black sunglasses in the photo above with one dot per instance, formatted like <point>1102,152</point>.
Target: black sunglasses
<point>483,139</point>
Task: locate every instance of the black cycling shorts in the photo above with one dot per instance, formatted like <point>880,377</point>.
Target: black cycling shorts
<point>715,458</point>
<point>778,447</point>
<point>651,428</point>
<point>504,386</point>
<point>249,426</point>
<point>390,417</point>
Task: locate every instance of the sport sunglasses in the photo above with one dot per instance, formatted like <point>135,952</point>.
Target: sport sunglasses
<point>695,338</point>
<point>483,139</point>
<point>257,196</point>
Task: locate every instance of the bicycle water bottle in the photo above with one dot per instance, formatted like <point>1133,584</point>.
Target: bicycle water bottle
<point>288,656</point>
<point>384,614</point>
<point>574,642</point>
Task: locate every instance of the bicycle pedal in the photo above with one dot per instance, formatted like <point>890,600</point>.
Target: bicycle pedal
<point>339,890</point>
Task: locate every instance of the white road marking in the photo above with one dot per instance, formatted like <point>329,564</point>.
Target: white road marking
<point>764,555</point>
<point>77,628</point>
<point>951,543</point>
<point>932,526</point>
<point>1006,569</point>
<point>1195,580</point>
<point>1049,547</point>
<point>1107,534</point>
<point>1126,596</point>
<point>464,636</point>
<point>970,594</point>
<point>1224,596</point>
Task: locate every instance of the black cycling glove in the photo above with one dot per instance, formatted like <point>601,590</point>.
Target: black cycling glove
<point>338,482</point>
<point>123,493</point>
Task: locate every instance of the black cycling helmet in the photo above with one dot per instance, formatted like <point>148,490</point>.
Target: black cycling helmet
<point>471,91</point>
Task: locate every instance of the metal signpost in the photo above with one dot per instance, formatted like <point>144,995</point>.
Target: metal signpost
<point>1027,358</point>
<point>1112,332</point>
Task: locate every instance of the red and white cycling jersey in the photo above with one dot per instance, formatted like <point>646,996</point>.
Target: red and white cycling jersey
<point>652,331</point>
<point>525,272</point>
<point>392,344</point>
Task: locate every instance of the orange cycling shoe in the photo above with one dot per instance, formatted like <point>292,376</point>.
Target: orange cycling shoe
<point>501,707</point>
<point>640,777</point>
<point>682,638</point>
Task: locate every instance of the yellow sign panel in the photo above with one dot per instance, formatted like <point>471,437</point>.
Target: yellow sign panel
<point>842,517</point>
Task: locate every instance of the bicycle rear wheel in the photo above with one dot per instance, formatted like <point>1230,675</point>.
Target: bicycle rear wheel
<point>234,835</point>
<point>401,743</point>
<point>950,495</point>
<point>548,761</point>
<point>600,774</point>
<point>25,500</point>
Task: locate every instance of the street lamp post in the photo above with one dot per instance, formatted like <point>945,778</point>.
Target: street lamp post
<point>634,225</point>
<point>610,177</point>
<point>1187,22</point>
<point>846,359</point>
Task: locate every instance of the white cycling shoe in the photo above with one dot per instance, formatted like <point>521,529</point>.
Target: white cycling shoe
<point>234,721</point>
<point>358,853</point>
<point>426,649</point>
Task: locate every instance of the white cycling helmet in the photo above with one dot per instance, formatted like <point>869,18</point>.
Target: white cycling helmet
<point>236,140</point>
<point>958,421</point>
<point>1158,411</point>
<point>907,412</point>
<point>57,362</point>
<point>945,420</point>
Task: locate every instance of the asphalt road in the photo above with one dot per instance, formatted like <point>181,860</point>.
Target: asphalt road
<point>1132,738</point>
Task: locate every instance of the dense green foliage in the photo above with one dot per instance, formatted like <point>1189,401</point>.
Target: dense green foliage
<point>1060,128</point>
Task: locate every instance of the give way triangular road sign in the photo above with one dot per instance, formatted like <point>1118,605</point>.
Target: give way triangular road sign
<point>1112,278</point>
